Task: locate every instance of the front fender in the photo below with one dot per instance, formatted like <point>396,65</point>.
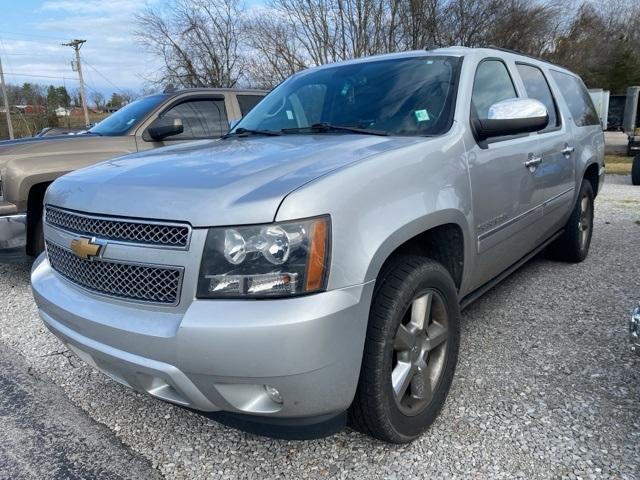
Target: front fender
<point>380,202</point>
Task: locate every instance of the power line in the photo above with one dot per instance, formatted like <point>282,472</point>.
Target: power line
<point>106,78</point>
<point>19,74</point>
<point>34,54</point>
<point>22,34</point>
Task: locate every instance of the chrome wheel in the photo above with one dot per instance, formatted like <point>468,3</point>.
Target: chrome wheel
<point>419,352</point>
<point>585,221</point>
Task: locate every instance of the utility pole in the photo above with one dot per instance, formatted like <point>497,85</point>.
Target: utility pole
<point>6,102</point>
<point>77,45</point>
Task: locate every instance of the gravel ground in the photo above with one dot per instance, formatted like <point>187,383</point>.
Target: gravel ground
<point>546,386</point>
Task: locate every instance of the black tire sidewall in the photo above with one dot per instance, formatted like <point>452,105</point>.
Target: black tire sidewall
<point>583,250</point>
<point>38,238</point>
<point>635,170</point>
<point>428,275</point>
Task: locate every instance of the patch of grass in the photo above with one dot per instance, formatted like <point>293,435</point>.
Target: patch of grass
<point>618,164</point>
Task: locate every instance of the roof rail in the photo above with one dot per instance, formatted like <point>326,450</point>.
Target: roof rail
<point>518,52</point>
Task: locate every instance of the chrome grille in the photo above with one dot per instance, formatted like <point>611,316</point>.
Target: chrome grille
<point>123,280</point>
<point>134,231</point>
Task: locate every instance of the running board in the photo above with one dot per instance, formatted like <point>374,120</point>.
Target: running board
<point>477,293</point>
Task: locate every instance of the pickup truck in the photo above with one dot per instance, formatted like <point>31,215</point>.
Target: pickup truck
<point>28,166</point>
<point>309,268</point>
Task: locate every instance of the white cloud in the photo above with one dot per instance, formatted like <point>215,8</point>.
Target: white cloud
<point>110,52</point>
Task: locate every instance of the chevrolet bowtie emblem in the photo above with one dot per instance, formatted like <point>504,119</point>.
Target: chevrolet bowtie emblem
<point>86,248</point>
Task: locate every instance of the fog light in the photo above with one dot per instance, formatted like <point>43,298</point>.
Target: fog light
<point>273,393</point>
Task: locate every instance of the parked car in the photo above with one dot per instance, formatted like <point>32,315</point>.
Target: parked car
<point>54,131</point>
<point>634,330</point>
<point>28,166</point>
<point>316,259</point>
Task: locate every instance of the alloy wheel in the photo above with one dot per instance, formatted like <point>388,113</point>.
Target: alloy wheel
<point>585,221</point>
<point>419,352</point>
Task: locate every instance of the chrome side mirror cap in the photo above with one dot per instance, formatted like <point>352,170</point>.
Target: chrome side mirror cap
<point>511,117</point>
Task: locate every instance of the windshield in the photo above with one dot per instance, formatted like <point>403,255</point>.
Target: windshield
<point>127,117</point>
<point>402,96</point>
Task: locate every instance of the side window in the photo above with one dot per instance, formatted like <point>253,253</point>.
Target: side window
<point>537,87</point>
<point>247,102</point>
<point>491,85</point>
<point>206,118</point>
<point>577,98</point>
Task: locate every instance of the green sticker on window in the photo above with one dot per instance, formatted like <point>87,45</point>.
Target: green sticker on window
<point>422,115</point>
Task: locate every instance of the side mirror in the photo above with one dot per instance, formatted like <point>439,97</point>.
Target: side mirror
<point>162,128</point>
<point>511,117</point>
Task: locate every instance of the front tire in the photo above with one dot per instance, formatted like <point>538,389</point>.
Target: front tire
<point>410,353</point>
<point>573,245</point>
<point>37,244</point>
<point>635,170</point>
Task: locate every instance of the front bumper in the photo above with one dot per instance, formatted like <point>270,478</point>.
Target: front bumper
<point>634,330</point>
<point>218,354</point>
<point>13,232</point>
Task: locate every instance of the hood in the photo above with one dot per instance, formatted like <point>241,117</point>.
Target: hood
<point>46,146</point>
<point>218,182</point>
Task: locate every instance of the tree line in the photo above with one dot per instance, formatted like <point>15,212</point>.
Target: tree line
<point>43,101</point>
<point>52,97</point>
<point>222,43</point>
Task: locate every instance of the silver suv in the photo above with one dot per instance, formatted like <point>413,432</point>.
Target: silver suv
<point>315,260</point>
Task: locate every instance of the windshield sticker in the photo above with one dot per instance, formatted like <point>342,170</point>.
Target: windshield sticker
<point>422,115</point>
<point>289,114</point>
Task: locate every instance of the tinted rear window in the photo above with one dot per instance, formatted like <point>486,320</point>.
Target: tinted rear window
<point>577,98</point>
<point>537,87</point>
<point>247,102</point>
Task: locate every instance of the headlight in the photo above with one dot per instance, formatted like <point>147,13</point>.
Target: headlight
<point>273,260</point>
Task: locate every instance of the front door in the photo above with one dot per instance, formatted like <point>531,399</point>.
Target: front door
<point>502,187</point>
<point>203,117</point>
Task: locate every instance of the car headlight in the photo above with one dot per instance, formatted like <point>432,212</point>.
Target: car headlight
<point>272,260</point>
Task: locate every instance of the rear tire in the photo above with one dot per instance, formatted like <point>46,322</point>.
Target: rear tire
<point>635,170</point>
<point>410,352</point>
<point>573,245</point>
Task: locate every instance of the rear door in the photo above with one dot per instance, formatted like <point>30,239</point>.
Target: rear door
<point>587,135</point>
<point>553,178</point>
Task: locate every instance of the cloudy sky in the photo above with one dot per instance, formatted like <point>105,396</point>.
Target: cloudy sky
<point>31,32</point>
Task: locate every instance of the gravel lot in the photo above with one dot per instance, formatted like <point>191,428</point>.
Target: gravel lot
<point>545,388</point>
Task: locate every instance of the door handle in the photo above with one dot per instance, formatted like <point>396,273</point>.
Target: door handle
<point>567,150</point>
<point>533,162</point>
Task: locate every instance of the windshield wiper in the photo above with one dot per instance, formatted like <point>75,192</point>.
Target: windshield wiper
<point>248,131</point>
<point>327,127</point>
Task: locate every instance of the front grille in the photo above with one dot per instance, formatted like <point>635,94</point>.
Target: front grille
<point>122,280</point>
<point>120,230</point>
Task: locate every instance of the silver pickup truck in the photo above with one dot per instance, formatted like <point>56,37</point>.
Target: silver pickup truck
<point>314,261</point>
<point>28,166</point>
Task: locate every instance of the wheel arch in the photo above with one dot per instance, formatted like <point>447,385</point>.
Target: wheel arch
<point>592,175</point>
<point>442,236</point>
<point>35,202</point>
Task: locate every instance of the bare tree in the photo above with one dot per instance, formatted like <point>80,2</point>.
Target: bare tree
<point>220,43</point>
<point>276,52</point>
<point>98,100</point>
<point>198,40</point>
